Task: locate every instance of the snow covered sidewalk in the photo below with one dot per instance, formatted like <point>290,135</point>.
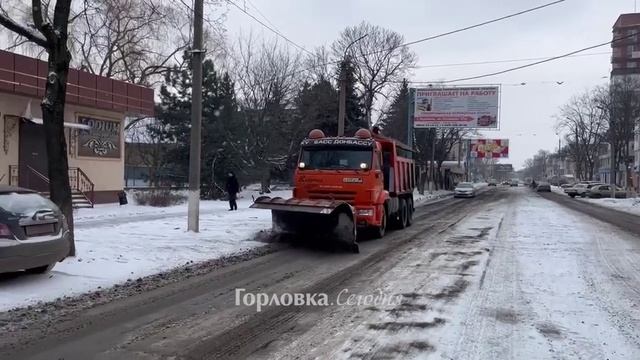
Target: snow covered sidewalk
<point>119,249</point>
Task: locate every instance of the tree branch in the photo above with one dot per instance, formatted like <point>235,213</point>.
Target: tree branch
<point>23,31</point>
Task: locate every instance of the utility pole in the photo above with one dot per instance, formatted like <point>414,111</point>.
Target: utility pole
<point>342,101</point>
<point>342,106</point>
<point>196,119</point>
<point>432,184</point>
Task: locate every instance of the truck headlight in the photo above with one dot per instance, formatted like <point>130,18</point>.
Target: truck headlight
<point>365,212</point>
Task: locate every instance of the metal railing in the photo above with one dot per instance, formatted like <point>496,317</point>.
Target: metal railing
<point>30,178</point>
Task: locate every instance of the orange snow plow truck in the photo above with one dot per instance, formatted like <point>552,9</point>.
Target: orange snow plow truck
<point>346,185</point>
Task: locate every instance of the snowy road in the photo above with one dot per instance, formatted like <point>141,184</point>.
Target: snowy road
<point>508,275</point>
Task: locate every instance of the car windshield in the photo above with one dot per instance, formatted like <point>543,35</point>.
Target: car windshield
<point>24,203</point>
<point>325,158</point>
<point>465,185</point>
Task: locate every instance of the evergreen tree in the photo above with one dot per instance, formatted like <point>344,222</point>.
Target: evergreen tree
<point>219,123</point>
<point>396,121</point>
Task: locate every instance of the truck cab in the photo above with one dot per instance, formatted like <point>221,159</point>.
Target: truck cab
<point>366,171</point>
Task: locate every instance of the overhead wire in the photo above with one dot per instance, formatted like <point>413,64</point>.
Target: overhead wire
<point>419,40</point>
<point>502,61</point>
<point>539,62</point>
<point>268,27</point>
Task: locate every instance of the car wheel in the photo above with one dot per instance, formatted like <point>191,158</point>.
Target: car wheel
<point>40,269</point>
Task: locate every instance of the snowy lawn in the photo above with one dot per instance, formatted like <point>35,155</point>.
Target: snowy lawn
<point>109,254</point>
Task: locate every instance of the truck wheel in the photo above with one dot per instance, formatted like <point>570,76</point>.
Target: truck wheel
<point>410,210</point>
<point>378,232</point>
<point>402,215</point>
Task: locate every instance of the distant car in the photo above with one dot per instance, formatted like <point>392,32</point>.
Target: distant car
<point>605,191</point>
<point>514,182</point>
<point>505,183</point>
<point>566,186</point>
<point>543,187</point>
<point>465,189</point>
<point>33,232</point>
<point>492,182</point>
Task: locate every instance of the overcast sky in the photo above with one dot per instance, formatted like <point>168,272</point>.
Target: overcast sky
<point>527,113</point>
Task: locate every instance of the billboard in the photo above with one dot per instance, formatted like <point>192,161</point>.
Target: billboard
<point>490,148</point>
<point>459,107</point>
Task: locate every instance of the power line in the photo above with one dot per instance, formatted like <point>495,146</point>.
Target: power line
<point>502,61</point>
<point>268,27</point>
<point>263,16</point>
<point>539,62</point>
<point>419,40</point>
<point>484,23</point>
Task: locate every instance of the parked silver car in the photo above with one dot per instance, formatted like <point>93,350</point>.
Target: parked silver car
<point>580,189</point>
<point>33,232</point>
<point>465,189</point>
<point>605,191</point>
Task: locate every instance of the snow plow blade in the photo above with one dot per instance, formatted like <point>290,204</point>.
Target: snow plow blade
<point>324,220</point>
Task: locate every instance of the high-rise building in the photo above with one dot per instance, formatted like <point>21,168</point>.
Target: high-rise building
<point>625,63</point>
<point>625,57</point>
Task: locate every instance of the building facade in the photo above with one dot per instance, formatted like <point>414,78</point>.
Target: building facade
<point>94,128</point>
<point>625,63</point>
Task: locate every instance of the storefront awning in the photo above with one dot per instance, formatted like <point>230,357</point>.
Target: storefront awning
<point>66,124</point>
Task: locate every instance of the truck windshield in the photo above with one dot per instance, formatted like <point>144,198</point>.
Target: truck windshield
<point>324,158</point>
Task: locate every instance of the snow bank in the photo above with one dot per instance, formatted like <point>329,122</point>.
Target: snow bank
<point>438,194</point>
<point>630,205</point>
<point>126,248</point>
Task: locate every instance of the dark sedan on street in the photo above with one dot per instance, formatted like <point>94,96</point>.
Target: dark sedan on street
<point>33,232</point>
<point>543,187</point>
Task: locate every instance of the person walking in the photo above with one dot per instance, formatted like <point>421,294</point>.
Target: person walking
<point>233,188</point>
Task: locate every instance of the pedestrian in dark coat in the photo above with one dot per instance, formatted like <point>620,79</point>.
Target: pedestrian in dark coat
<point>233,188</point>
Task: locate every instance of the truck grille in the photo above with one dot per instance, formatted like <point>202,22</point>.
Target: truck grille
<point>348,196</point>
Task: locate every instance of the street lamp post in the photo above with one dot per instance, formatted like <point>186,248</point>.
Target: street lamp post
<point>342,106</point>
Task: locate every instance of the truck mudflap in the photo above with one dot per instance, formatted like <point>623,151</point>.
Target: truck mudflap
<point>308,219</point>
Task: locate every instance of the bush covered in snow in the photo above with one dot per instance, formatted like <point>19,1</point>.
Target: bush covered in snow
<point>159,198</point>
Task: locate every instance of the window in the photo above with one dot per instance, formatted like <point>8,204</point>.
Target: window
<point>632,64</point>
<point>335,157</point>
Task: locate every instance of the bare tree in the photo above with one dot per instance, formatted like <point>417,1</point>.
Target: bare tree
<point>268,78</point>
<point>584,122</point>
<point>49,30</point>
<point>319,65</point>
<point>379,57</point>
<point>130,40</point>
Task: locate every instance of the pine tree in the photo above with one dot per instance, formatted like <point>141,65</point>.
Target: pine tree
<point>219,123</point>
<point>396,120</point>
